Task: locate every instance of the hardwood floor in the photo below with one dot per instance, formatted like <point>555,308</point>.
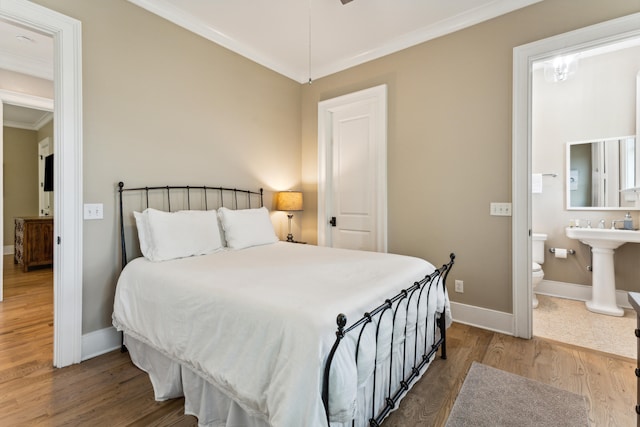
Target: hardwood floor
<point>104,391</point>
<point>607,381</point>
<point>110,391</point>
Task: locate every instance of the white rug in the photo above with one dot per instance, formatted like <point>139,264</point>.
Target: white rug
<point>569,321</point>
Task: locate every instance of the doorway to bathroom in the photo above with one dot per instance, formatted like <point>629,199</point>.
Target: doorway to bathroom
<point>583,99</point>
<point>582,87</point>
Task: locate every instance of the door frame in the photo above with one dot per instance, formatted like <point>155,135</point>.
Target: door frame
<point>523,59</point>
<point>67,254</point>
<point>377,95</point>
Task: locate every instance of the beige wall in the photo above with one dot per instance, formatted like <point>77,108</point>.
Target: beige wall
<point>20,170</point>
<point>598,102</point>
<point>46,131</point>
<point>449,140</point>
<point>164,106</point>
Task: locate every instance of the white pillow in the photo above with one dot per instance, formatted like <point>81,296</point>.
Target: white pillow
<point>223,239</point>
<point>142,224</point>
<point>181,234</point>
<point>247,227</point>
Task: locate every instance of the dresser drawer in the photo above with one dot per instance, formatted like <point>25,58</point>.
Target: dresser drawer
<point>33,242</point>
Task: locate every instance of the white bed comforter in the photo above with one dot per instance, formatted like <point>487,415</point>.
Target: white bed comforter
<point>256,322</point>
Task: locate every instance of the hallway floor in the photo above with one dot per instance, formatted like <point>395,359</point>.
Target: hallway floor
<point>570,322</point>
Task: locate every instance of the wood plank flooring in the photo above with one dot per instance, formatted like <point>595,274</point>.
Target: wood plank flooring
<point>110,391</point>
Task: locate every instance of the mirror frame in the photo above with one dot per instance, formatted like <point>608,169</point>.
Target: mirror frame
<point>567,180</point>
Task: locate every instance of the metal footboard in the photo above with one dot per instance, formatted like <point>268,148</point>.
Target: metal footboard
<point>414,359</point>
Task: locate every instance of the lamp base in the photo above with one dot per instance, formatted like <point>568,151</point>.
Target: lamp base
<point>290,236</point>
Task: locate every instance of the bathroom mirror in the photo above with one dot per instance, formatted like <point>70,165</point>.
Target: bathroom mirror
<point>603,174</point>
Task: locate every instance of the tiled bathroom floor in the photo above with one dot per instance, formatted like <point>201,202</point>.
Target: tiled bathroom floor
<point>569,321</point>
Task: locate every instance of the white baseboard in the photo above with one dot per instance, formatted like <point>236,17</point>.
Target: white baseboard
<point>576,292</point>
<point>499,321</point>
<point>8,250</point>
<point>100,342</point>
<point>484,318</point>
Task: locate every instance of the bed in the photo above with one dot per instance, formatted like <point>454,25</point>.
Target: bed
<point>257,332</point>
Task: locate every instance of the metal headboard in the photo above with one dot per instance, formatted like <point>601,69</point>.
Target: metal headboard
<point>231,198</point>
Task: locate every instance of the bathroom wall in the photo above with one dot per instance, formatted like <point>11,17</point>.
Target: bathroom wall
<point>597,102</point>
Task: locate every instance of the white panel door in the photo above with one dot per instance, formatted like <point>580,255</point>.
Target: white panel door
<point>353,178</point>
<point>352,170</point>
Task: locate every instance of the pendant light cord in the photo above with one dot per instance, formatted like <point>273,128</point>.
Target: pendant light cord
<point>309,49</point>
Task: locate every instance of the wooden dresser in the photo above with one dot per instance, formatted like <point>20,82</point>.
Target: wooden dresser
<point>634,299</point>
<point>34,241</point>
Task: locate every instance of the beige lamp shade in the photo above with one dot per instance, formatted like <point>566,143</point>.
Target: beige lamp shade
<point>289,201</point>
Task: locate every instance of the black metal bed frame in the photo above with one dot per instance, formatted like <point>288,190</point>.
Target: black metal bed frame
<point>394,392</point>
<point>435,281</point>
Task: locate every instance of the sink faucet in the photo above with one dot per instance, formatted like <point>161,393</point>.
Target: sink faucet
<point>614,222</point>
<point>601,224</point>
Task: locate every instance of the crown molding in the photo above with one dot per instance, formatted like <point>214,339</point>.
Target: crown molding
<point>26,100</point>
<point>300,73</point>
<point>17,125</point>
<point>430,32</point>
<point>201,28</point>
<point>46,118</point>
<point>35,126</point>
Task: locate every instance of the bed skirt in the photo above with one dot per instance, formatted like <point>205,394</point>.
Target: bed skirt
<point>212,407</point>
<point>171,380</point>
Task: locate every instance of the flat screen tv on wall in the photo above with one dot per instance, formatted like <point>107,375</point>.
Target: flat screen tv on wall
<point>48,173</point>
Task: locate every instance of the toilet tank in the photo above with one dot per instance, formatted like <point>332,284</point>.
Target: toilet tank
<point>537,247</point>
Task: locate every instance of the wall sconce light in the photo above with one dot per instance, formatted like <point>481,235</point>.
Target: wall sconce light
<point>290,201</point>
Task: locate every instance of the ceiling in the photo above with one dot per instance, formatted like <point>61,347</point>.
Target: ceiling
<point>297,38</point>
<point>300,39</point>
<point>304,39</point>
<point>27,52</point>
<point>25,118</point>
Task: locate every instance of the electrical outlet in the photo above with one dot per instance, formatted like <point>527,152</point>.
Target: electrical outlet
<point>459,286</point>
<point>500,209</point>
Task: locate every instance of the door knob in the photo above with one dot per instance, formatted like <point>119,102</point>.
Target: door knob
<point>333,221</point>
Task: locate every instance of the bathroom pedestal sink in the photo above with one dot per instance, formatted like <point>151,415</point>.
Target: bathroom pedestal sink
<point>603,242</point>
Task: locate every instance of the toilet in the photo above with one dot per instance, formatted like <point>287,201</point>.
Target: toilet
<point>537,256</point>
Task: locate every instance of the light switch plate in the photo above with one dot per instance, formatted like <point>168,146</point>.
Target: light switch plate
<point>500,209</point>
<point>93,211</point>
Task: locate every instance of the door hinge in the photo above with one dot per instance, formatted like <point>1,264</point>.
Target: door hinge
<point>58,239</point>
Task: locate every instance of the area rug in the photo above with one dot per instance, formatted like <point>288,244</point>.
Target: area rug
<point>491,397</point>
<point>570,322</point>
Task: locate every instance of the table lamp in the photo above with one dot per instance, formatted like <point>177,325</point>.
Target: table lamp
<point>290,201</point>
